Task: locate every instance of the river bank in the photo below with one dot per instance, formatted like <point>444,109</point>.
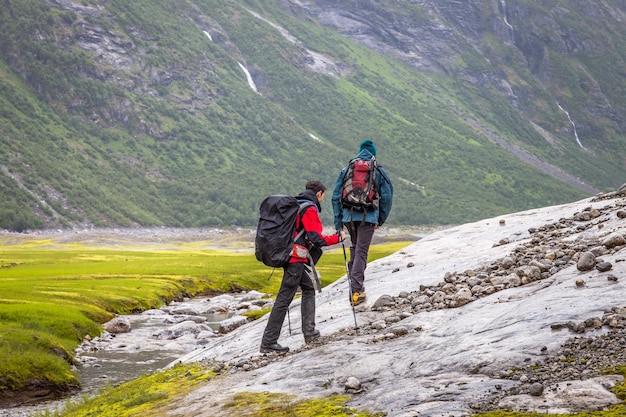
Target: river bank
<point>150,341</point>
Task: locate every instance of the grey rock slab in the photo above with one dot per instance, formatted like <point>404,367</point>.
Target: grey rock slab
<point>457,357</point>
<point>568,397</point>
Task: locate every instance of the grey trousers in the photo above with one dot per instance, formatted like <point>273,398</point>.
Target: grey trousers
<point>361,234</point>
<point>294,276</point>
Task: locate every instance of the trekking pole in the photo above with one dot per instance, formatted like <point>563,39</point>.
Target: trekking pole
<point>345,258</point>
<point>289,321</point>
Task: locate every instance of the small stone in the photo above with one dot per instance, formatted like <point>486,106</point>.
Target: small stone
<point>379,325</point>
<point>580,282</point>
<point>384,301</point>
<point>399,331</point>
<point>507,262</point>
<point>352,384</point>
<point>586,262</point>
<point>536,389</point>
<point>614,240</point>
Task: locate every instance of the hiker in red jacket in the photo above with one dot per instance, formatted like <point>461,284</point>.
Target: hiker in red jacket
<point>300,272</point>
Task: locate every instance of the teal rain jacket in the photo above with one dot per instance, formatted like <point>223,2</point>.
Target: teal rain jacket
<point>375,216</point>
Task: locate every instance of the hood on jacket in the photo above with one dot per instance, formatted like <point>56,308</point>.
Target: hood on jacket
<point>365,155</point>
<point>310,196</point>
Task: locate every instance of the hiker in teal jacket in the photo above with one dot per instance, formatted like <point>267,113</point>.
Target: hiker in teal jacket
<point>362,224</point>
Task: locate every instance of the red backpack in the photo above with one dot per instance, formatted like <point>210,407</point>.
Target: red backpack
<point>359,185</point>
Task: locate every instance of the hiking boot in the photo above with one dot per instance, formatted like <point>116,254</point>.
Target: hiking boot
<point>357,298</point>
<point>274,348</point>
<point>312,337</point>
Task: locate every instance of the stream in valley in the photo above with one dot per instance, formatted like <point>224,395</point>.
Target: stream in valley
<point>157,338</point>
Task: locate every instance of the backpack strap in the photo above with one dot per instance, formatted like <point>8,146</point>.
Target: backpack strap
<point>348,168</point>
<point>313,275</point>
<point>373,170</point>
<point>382,173</point>
<point>304,204</point>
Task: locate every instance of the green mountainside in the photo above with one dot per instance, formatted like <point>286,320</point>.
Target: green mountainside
<point>140,113</point>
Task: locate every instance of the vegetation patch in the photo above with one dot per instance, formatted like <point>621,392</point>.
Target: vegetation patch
<point>271,404</point>
<point>150,394</point>
<point>141,397</point>
<point>189,147</point>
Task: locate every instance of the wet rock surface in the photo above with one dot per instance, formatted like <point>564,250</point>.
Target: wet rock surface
<point>497,314</point>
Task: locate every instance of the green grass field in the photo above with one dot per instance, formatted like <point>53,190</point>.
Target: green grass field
<point>53,294</point>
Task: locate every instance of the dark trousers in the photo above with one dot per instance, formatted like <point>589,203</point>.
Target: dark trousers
<point>294,276</point>
<point>361,234</point>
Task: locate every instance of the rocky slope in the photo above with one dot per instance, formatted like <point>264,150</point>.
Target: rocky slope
<point>521,312</point>
<point>531,37</point>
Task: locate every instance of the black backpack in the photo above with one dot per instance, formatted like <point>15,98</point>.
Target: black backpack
<point>275,232</point>
<point>360,191</point>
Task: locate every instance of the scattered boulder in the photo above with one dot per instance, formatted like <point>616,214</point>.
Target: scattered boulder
<point>604,266</point>
<point>383,301</point>
<point>185,310</point>
<point>353,385</point>
<point>586,262</point>
<point>181,329</point>
<point>117,325</point>
<point>613,241</point>
<point>232,323</point>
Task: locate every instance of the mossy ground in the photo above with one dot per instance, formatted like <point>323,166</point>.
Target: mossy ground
<point>150,395</point>
<point>144,396</point>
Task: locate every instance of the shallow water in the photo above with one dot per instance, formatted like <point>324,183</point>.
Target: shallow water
<point>117,358</point>
<point>126,356</point>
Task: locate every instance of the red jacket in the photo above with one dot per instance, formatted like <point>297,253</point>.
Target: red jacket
<point>313,238</point>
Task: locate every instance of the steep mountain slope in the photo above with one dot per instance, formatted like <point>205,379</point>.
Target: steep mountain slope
<point>555,62</point>
<point>188,113</point>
